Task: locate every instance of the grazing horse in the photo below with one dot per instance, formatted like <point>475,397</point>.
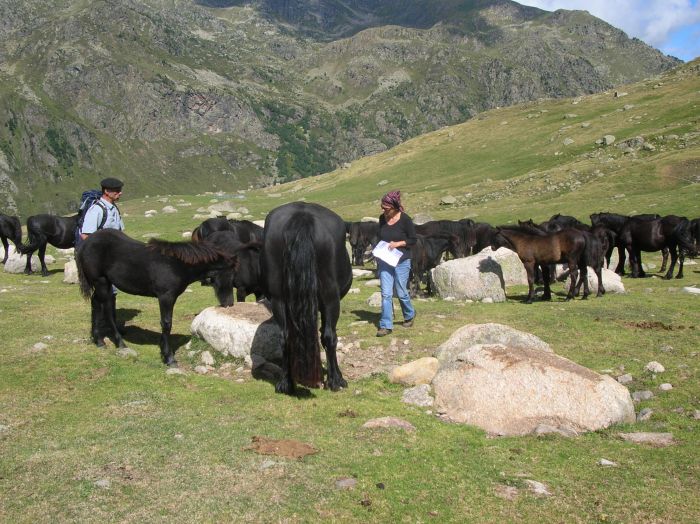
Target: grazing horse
<point>306,269</point>
<point>158,269</point>
<point>671,232</point>
<point>462,229</point>
<point>47,229</point>
<point>567,245</point>
<point>483,235</point>
<point>425,255</point>
<point>248,278</point>
<point>361,235</point>
<point>10,228</point>
<point>245,230</point>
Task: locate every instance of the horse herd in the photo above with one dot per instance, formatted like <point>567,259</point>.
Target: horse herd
<point>300,263</point>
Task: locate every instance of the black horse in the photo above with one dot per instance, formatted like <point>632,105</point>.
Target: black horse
<point>158,269</point>
<point>10,228</point>
<point>306,270</point>
<point>670,232</point>
<point>47,229</point>
<point>615,222</point>
<point>462,229</point>
<point>248,278</point>
<point>361,235</point>
<point>245,230</point>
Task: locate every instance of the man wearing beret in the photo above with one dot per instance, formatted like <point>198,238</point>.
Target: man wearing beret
<point>104,213</point>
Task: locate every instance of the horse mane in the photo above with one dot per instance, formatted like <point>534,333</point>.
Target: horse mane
<point>191,253</point>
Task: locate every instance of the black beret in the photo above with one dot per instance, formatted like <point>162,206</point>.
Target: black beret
<point>111,183</point>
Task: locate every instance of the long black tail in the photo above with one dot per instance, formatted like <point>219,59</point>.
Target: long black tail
<point>300,291</point>
<point>35,238</point>
<point>86,288</point>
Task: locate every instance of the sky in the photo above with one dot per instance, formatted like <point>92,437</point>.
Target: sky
<point>672,26</point>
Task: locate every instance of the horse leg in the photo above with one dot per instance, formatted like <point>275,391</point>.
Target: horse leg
<point>674,257</point>
<point>7,247</point>
<point>573,273</point>
<point>28,266</point>
<point>110,316</point>
<point>583,276</point>
<point>95,321</point>
<point>545,281</point>
<point>167,304</point>
<point>620,269</point>
<point>530,269</point>
<point>240,294</point>
<point>42,255</point>
<point>664,259</point>
<point>330,312</point>
<point>286,383</point>
<point>681,259</point>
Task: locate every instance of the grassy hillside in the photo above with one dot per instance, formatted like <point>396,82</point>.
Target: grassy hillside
<point>88,436</point>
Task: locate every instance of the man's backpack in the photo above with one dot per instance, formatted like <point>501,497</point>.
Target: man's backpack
<point>88,198</point>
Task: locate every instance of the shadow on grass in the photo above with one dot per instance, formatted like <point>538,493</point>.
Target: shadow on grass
<point>369,316</point>
<point>145,337</point>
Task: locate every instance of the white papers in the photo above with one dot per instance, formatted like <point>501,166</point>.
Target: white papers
<point>390,256</point>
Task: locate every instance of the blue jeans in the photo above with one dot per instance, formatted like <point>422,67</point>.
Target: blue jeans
<point>394,278</point>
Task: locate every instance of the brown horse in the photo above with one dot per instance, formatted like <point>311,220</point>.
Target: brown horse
<point>567,245</point>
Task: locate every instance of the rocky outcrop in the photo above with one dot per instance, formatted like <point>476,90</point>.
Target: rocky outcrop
<point>516,391</point>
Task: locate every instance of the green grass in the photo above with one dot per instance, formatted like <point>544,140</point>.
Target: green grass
<point>173,447</point>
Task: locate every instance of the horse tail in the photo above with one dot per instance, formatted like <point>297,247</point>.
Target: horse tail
<point>35,238</point>
<point>300,292</point>
<point>86,287</point>
<point>16,231</point>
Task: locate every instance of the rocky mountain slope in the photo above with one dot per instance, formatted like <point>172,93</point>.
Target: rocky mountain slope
<point>175,95</point>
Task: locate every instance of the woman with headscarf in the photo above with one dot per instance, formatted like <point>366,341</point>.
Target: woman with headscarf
<point>396,228</point>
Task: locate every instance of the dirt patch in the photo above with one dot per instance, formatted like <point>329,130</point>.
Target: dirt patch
<point>359,362</point>
<point>684,171</point>
<point>280,448</point>
<point>252,311</point>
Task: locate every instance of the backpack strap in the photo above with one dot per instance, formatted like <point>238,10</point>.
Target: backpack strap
<point>104,213</point>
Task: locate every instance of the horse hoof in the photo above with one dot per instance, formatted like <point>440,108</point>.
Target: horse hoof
<point>171,363</point>
<point>337,385</point>
<point>100,343</point>
<point>284,386</point>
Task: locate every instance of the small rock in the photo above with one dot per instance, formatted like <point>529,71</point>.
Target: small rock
<point>4,429</point>
<point>389,422</point>
<point>267,464</point>
<point>692,290</point>
<point>642,395</point>
<point>174,371</point>
<point>607,463</point>
<point>418,396</point>
<point>537,488</point>
<point>625,379</point>
<point>201,370</point>
<point>666,348</point>
<point>207,358</point>
<point>39,346</point>
<point>346,483</point>
<point>127,353</point>
<point>655,367</point>
<point>506,492</point>
<point>644,414</point>
<point>654,439</point>
<point>696,414</point>
<point>609,140</point>
<point>103,483</point>
<point>179,436</point>
<point>665,387</point>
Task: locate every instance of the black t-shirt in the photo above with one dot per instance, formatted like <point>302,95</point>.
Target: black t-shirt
<point>403,229</point>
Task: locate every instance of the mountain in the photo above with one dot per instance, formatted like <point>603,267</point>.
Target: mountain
<point>183,96</point>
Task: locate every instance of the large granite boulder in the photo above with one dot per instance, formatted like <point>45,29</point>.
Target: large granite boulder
<point>516,391</point>
<point>490,333</point>
<point>16,263</point>
<point>246,329</point>
<point>470,278</point>
<point>612,282</point>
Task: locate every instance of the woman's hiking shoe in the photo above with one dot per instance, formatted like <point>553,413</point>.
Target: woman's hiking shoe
<point>382,332</point>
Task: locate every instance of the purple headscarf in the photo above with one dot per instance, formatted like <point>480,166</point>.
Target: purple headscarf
<point>393,199</point>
